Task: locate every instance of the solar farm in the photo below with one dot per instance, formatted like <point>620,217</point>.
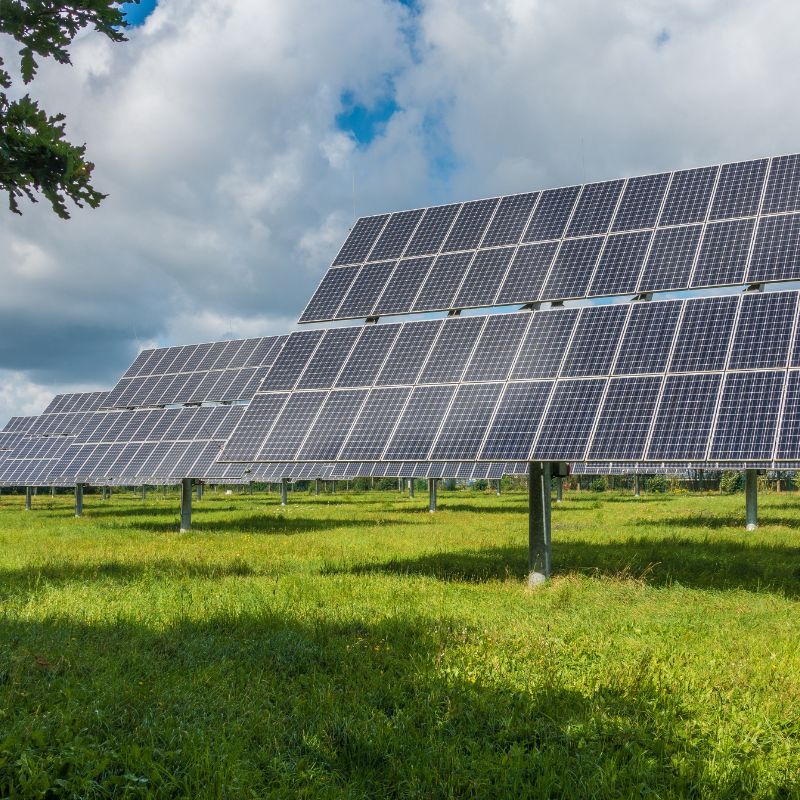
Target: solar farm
<point>638,327</point>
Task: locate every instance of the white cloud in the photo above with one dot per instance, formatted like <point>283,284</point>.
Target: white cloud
<point>214,131</point>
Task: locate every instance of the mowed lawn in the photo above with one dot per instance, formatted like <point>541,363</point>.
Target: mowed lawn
<point>358,646</point>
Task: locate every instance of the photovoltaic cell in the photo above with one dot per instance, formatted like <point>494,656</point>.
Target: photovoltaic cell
<point>375,423</point>
<point>358,244</point>
<point>366,289</point>
<point>648,338</point>
<point>595,208</point>
<point>573,268</point>
<point>245,444</point>
<point>408,353</point>
<point>789,437</point>
<point>704,334</point>
<point>330,429</point>
<point>543,349</point>
<point>625,418</point>
<point>403,286</point>
<point>620,264</point>
<point>468,228</point>
<point>485,274</point>
<point>517,420</point>
<point>396,235</point>
<point>527,273</point>
<point>641,202</point>
<point>510,219</point>
<point>432,230</point>
<point>723,253</point>
<point>497,348</point>
<point>671,258</point>
<point>783,185</point>
<point>763,331</point>
<point>569,420</point>
<point>324,365</point>
<point>329,294</point>
<point>465,425</point>
<point>684,417</point>
<point>453,347</point>
<point>595,341</point>
<point>419,423</point>
<point>292,360</point>
<point>776,253</point>
<point>748,415</point>
<point>368,355</point>
<point>689,196</point>
<point>442,282</point>
<point>739,189</point>
<point>552,214</point>
<point>291,427</point>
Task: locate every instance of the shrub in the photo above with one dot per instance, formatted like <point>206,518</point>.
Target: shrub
<point>731,482</point>
<point>657,483</point>
<point>599,484</point>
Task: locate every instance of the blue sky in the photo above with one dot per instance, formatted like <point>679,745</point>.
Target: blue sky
<point>137,13</point>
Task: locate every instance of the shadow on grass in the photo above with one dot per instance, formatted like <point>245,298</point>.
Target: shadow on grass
<point>766,516</point>
<point>697,564</point>
<point>269,705</point>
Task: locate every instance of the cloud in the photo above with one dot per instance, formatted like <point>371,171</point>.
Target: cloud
<point>222,133</point>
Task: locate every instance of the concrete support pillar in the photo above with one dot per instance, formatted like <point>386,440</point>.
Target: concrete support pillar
<point>28,496</point>
<point>411,487</point>
<point>636,491</point>
<point>751,498</point>
<point>284,490</point>
<point>316,487</point>
<point>78,499</point>
<point>431,495</point>
<point>539,530</point>
<point>559,489</point>
<point>186,505</point>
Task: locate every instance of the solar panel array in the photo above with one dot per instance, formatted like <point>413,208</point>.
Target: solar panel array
<point>223,371</point>
<point>697,380</point>
<point>722,225</point>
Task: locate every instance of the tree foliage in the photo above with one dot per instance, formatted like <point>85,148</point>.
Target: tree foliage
<point>35,156</point>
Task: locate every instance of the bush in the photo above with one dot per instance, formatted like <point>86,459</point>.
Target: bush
<point>599,484</point>
<point>480,485</point>
<point>657,483</point>
<point>731,482</point>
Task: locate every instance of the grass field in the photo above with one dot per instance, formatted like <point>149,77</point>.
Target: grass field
<point>358,646</point>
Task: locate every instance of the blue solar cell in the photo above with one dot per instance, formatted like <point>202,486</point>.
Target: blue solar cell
<point>783,185</point>
<point>358,244</point>
<point>367,356</point>
<point>625,418</point>
<point>292,360</point>
<point>403,286</point>
<point>255,424</point>
<point>704,334</point>
<point>595,341</point>
<point>408,353</point>
<point>739,189</point>
<point>573,268</point>
<point>497,348</point>
<point>723,253</point>
<point>419,423</point>
<point>432,230</point>
<point>517,419</point>
<point>329,294</point>
<point>595,208</point>
<point>552,214</point>
<point>468,229</point>
<point>669,264</point>
<point>510,219</point>
<point>324,365</point>
<point>789,437</point>
<point>452,349</point>
<point>331,427</point>
<point>442,282</point>
<point>641,202</point>
<point>689,196</point>
<point>527,273</point>
<point>291,426</point>
<point>365,290</point>
<point>569,421</point>
<point>620,264</point>
<point>396,235</point>
<point>763,331</point>
<point>776,253</point>
<point>748,416</point>
<point>648,338</point>
<point>543,349</point>
<point>483,278</point>
<point>465,425</point>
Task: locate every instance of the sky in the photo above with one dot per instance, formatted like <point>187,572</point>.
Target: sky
<point>237,139</point>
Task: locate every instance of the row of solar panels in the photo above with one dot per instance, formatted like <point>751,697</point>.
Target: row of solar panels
<point>651,233</point>
<point>686,380</point>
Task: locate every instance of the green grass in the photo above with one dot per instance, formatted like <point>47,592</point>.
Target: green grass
<point>358,646</point>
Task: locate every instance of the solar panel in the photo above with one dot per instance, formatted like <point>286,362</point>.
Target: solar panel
<point>361,238</point>
<point>510,219</point>
<point>465,425</point>
<point>543,348</point>
<point>328,296</point>
<point>783,185</point>
<point>723,253</point>
<point>671,258</point>
<point>704,335</point>
<point>431,231</point>
<point>367,356</point>
<point>493,358</point>
<point>396,235</point>
<point>552,213</point>
<point>366,289</point>
<point>326,436</point>
<point>327,360</point>
<point>375,423</point>
<point>408,353</point>
<point>594,343</point>
<point>689,196</point>
<point>403,286</point>
<point>419,423</point>
<point>739,189</point>
<point>468,229</point>
<point>484,277</point>
<point>452,349</point>
<point>526,275</point>
<point>516,421</point>
<point>648,338</point>
<point>595,208</point>
<point>443,280</point>
<point>776,253</point>
<point>291,426</point>
<point>620,264</point>
<point>291,360</point>
<point>572,268</point>
<point>641,202</point>
<point>789,437</point>
<point>763,331</point>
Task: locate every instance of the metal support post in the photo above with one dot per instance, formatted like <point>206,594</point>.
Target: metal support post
<point>333,487</point>
<point>250,489</point>
<point>636,492</point>
<point>539,541</point>
<point>431,495</point>
<point>186,505</point>
<point>199,490</point>
<point>498,487</point>
<point>28,496</point>
<point>400,485</point>
<point>52,491</point>
<point>751,498</point>
<point>559,489</point>
<point>144,492</point>
<point>78,499</point>
<point>316,487</point>
<point>284,490</point>
<point>411,488</point>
